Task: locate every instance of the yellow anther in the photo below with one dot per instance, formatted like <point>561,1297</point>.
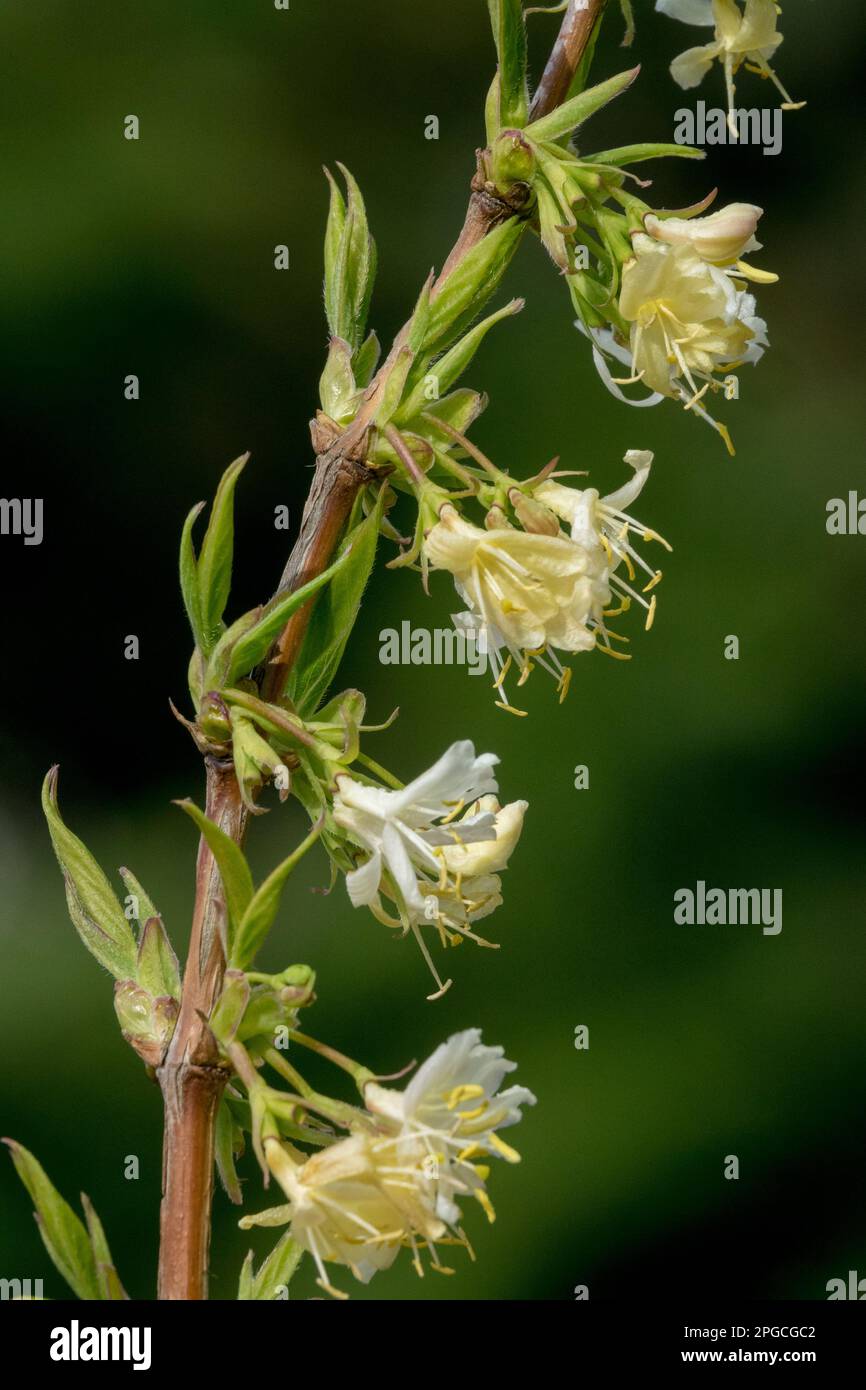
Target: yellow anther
<point>650,617</point>
<point>656,579</point>
<point>564,683</point>
<point>609,651</point>
<point>505,1150</point>
<point>469,1091</point>
<point>509,709</point>
<point>497,684</point>
<point>456,812</point>
<point>486,1204</point>
<point>470,1151</point>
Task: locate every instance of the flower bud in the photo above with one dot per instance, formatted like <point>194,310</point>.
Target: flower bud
<point>721,237</point>
<point>511,160</point>
<point>533,516</point>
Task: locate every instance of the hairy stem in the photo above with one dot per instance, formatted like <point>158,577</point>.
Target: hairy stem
<point>191,1075</point>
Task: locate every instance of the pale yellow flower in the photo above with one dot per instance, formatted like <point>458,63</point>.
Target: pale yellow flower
<point>721,237</point>
<point>357,1203</point>
<point>689,321</point>
<point>527,592</point>
<point>749,36</point>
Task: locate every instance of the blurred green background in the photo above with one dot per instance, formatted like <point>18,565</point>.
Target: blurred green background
<point>156,258</point>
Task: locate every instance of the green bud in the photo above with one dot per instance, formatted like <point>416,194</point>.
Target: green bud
<point>510,161</point>
<point>228,1012</point>
<point>338,391</point>
<point>147,1022</point>
<point>214,719</point>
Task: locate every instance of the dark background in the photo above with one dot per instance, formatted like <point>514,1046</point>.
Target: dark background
<point>156,258</point>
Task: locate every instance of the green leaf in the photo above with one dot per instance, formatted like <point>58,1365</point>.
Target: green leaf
<point>228,1145</point>
<point>144,905</point>
<point>333,241</point>
<point>365,360</point>
<point>261,911</point>
<point>215,557</point>
<point>93,906</point>
<point>454,362</point>
<point>228,1012</point>
<point>334,616</point>
<point>350,263</point>
<point>460,298</point>
<point>509,33</point>
<point>110,1287</point>
<point>62,1232</point>
<point>276,1272</point>
<point>189,575</point>
<point>578,109</point>
<point>158,970</point>
<point>252,648</point>
<point>234,869</point>
<point>635,154</point>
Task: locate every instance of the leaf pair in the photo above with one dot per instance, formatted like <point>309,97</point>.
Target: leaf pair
<point>205,579</point>
<point>80,1254</point>
<point>350,263</point>
<point>251,911</point>
<point>146,970</point>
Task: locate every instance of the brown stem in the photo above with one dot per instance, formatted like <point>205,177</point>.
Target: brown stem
<point>575,33</point>
<point>191,1075</point>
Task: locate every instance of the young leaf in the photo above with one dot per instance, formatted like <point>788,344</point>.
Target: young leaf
<point>509,33</point>
<point>463,294</point>
<point>233,867</point>
<point>350,263</point>
<point>261,911</point>
<point>158,970</point>
<point>333,242</point>
<point>365,360</point>
<point>334,616</point>
<point>62,1232</point>
<point>228,1145</point>
<point>253,646</point>
<point>215,557</point>
<point>566,118</point>
<point>454,362</point>
<point>110,1287</point>
<point>144,906</point>
<point>93,906</point>
<point>189,575</point>
<point>276,1271</point>
<point>635,154</point>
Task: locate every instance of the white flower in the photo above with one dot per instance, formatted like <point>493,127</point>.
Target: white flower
<point>528,593</point>
<point>423,843</point>
<point>604,521</point>
<point>689,320</point>
<point>741,36</point>
<point>722,237</point>
<point>455,1108</point>
<point>356,1203</point>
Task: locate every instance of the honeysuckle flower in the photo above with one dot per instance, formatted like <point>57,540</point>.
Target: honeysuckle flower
<point>528,593</point>
<point>356,1203</point>
<point>454,1107</point>
<point>721,237</point>
<point>747,36</point>
<point>605,521</point>
<point>689,320</point>
<point>420,843</point>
